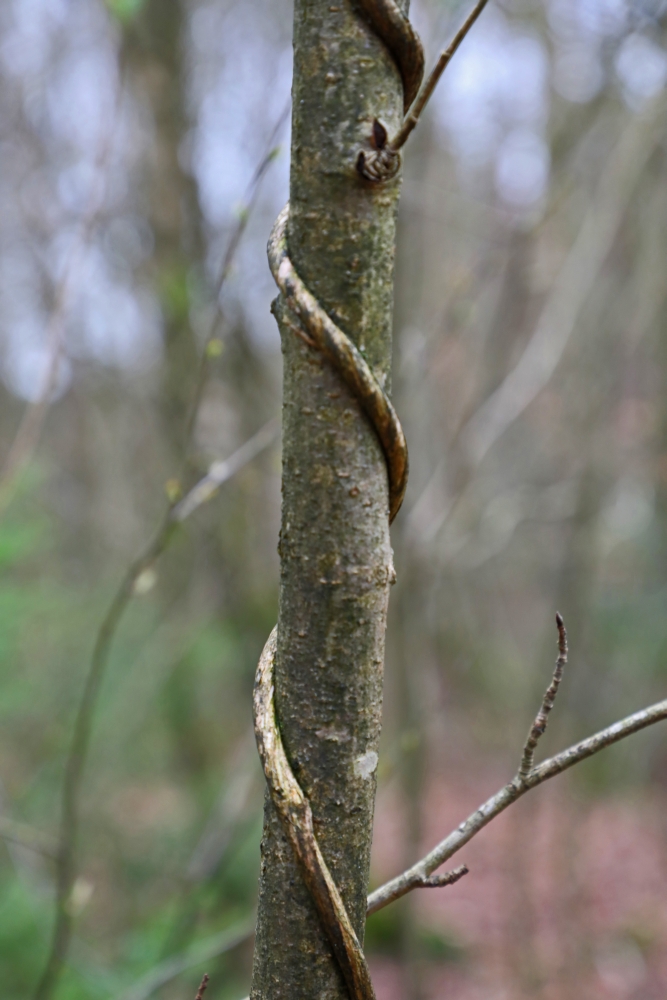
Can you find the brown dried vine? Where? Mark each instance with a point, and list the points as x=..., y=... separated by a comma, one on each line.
x=383, y=161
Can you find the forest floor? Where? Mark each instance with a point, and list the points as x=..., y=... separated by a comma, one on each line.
x=566, y=896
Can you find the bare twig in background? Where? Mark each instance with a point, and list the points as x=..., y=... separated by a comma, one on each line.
x=76, y=759
x=168, y=970
x=557, y=321
x=271, y=151
x=230, y=808
x=414, y=877
x=202, y=987
x=83, y=723
x=539, y=726
x=571, y=287
x=29, y=430
x=221, y=471
x=233, y=806
x=26, y=836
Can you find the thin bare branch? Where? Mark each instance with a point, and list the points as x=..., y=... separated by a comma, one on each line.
x=233, y=805
x=413, y=877
x=571, y=287
x=221, y=471
x=431, y=82
x=446, y=878
x=78, y=753
x=202, y=988
x=29, y=431
x=539, y=726
x=250, y=201
x=26, y=836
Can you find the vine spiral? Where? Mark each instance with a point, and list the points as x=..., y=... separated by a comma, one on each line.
x=313, y=324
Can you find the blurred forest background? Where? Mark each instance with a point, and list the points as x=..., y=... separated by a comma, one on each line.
x=530, y=372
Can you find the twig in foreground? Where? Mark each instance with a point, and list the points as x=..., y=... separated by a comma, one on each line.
x=202, y=987
x=414, y=877
x=539, y=726
x=446, y=878
x=431, y=82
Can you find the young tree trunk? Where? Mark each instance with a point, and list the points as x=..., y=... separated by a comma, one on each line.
x=336, y=560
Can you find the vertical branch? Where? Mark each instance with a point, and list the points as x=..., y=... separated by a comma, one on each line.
x=540, y=724
x=76, y=760
x=29, y=431
x=175, y=513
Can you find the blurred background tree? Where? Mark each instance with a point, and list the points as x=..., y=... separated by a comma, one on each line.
x=530, y=363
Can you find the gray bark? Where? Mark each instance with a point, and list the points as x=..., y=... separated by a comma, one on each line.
x=336, y=560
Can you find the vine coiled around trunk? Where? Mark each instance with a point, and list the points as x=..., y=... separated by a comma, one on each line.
x=305, y=316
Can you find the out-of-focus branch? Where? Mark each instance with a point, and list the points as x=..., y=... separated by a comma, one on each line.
x=29, y=431
x=557, y=320
x=74, y=767
x=221, y=471
x=414, y=877
x=76, y=759
x=168, y=970
x=26, y=836
x=571, y=287
x=271, y=151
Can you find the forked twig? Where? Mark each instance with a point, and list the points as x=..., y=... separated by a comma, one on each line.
x=446, y=878
x=414, y=877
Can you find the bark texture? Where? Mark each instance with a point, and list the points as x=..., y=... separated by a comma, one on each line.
x=336, y=560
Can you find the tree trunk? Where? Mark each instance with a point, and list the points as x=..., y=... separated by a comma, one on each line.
x=336, y=560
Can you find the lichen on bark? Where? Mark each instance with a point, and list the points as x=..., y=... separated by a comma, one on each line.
x=335, y=555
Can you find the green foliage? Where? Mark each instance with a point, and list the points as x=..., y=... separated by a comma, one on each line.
x=22, y=929
x=436, y=946
x=175, y=293
x=385, y=931
x=166, y=725
x=125, y=10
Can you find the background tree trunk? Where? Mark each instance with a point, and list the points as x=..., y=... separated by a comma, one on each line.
x=336, y=560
